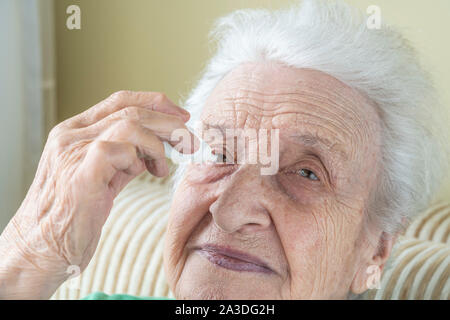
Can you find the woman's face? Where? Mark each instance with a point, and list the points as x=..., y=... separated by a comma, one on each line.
x=299, y=233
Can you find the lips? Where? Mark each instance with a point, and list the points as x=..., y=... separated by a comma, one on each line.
x=232, y=259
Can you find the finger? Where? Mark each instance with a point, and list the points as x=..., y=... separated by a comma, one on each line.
x=157, y=167
x=147, y=144
x=155, y=101
x=166, y=127
x=105, y=158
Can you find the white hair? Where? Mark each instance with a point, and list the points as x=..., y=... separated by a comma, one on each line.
x=332, y=37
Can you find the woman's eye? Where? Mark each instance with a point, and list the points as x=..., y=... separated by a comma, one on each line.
x=308, y=174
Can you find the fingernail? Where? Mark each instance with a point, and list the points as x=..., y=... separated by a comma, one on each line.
x=186, y=115
x=184, y=111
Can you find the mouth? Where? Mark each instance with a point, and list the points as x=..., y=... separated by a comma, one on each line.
x=232, y=259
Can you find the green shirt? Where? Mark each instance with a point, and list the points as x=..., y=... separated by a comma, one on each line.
x=104, y=296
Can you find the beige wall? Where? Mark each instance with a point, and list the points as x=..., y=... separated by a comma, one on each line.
x=160, y=45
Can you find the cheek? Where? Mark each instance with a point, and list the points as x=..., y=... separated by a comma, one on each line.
x=324, y=225
x=192, y=199
x=189, y=205
x=317, y=241
x=300, y=234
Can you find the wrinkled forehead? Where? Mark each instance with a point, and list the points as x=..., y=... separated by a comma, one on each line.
x=299, y=101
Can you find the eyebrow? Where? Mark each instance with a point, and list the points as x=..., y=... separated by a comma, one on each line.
x=306, y=139
x=314, y=140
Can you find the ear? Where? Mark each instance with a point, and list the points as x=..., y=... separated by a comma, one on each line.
x=368, y=274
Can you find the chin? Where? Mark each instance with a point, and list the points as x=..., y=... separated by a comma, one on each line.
x=200, y=293
x=211, y=291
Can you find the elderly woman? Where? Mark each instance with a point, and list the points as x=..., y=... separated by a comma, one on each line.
x=357, y=160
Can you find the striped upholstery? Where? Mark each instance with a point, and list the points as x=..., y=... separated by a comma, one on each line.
x=420, y=270
x=129, y=256
x=434, y=225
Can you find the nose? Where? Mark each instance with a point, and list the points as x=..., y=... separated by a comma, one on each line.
x=239, y=206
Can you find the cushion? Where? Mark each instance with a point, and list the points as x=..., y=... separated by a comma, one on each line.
x=128, y=259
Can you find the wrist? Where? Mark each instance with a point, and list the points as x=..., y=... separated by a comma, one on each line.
x=24, y=274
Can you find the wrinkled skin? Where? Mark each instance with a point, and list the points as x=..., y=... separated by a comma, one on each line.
x=86, y=161
x=313, y=234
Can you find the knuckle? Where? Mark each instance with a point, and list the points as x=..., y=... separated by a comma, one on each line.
x=121, y=95
x=103, y=149
x=160, y=97
x=54, y=132
x=130, y=113
x=59, y=140
x=100, y=150
x=131, y=150
x=100, y=146
x=126, y=125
